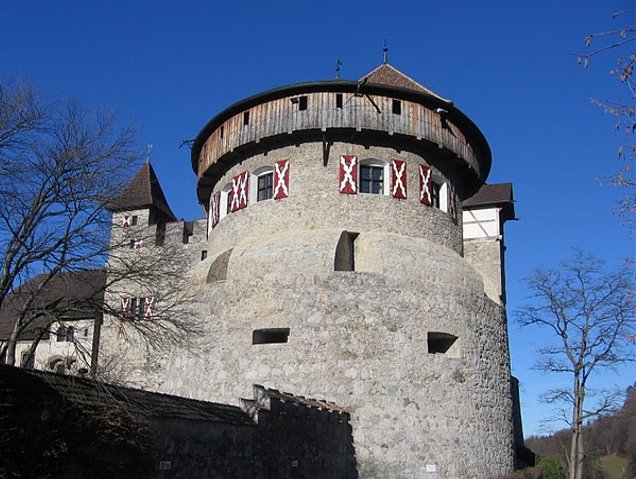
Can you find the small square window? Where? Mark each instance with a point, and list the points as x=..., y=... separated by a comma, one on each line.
x=397, y=107
x=246, y=118
x=372, y=179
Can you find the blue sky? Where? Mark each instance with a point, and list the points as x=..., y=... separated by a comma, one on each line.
x=170, y=66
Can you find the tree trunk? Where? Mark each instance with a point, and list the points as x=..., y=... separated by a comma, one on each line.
x=576, y=445
x=11, y=342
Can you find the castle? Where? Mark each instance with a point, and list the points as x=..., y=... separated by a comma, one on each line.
x=351, y=250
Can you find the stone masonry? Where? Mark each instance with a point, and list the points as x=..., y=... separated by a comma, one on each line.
x=405, y=339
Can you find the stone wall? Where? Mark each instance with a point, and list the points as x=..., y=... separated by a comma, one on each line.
x=364, y=338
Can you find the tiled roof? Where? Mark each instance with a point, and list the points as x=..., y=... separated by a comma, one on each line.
x=77, y=294
x=387, y=74
x=262, y=392
x=493, y=195
x=143, y=191
x=88, y=393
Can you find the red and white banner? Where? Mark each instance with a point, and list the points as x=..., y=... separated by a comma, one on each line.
x=149, y=308
x=425, y=185
x=125, y=304
x=281, y=179
x=398, y=179
x=238, y=195
x=349, y=174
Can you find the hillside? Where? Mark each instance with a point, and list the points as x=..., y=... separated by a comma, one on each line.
x=610, y=443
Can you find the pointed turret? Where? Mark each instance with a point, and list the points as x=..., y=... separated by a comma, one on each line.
x=143, y=191
x=387, y=74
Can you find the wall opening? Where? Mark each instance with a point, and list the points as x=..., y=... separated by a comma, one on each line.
x=270, y=335
x=204, y=254
x=345, y=257
x=338, y=100
x=160, y=234
x=440, y=343
x=397, y=107
x=218, y=269
x=302, y=103
x=246, y=118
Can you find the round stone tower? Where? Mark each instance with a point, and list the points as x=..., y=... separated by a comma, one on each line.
x=335, y=268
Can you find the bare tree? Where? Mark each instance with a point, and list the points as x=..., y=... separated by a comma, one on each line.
x=60, y=165
x=620, y=40
x=589, y=313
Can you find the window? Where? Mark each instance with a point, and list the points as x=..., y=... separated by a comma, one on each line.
x=225, y=202
x=440, y=343
x=134, y=220
x=261, y=184
x=204, y=254
x=372, y=179
x=246, y=118
x=435, y=194
x=70, y=333
x=302, y=103
x=397, y=107
x=134, y=307
x=270, y=335
x=222, y=130
x=60, y=367
x=60, y=334
x=265, y=185
x=339, y=100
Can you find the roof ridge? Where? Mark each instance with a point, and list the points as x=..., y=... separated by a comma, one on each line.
x=419, y=87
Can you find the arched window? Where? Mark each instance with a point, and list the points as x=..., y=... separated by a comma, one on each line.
x=374, y=178
x=262, y=184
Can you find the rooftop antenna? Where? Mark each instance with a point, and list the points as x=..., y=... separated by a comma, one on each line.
x=338, y=65
x=385, y=50
x=148, y=152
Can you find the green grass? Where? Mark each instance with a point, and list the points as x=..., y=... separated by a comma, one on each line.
x=613, y=466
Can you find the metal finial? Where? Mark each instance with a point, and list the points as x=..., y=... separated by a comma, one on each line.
x=148, y=152
x=338, y=65
x=386, y=52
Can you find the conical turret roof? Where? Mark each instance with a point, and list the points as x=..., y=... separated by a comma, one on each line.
x=387, y=74
x=143, y=191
